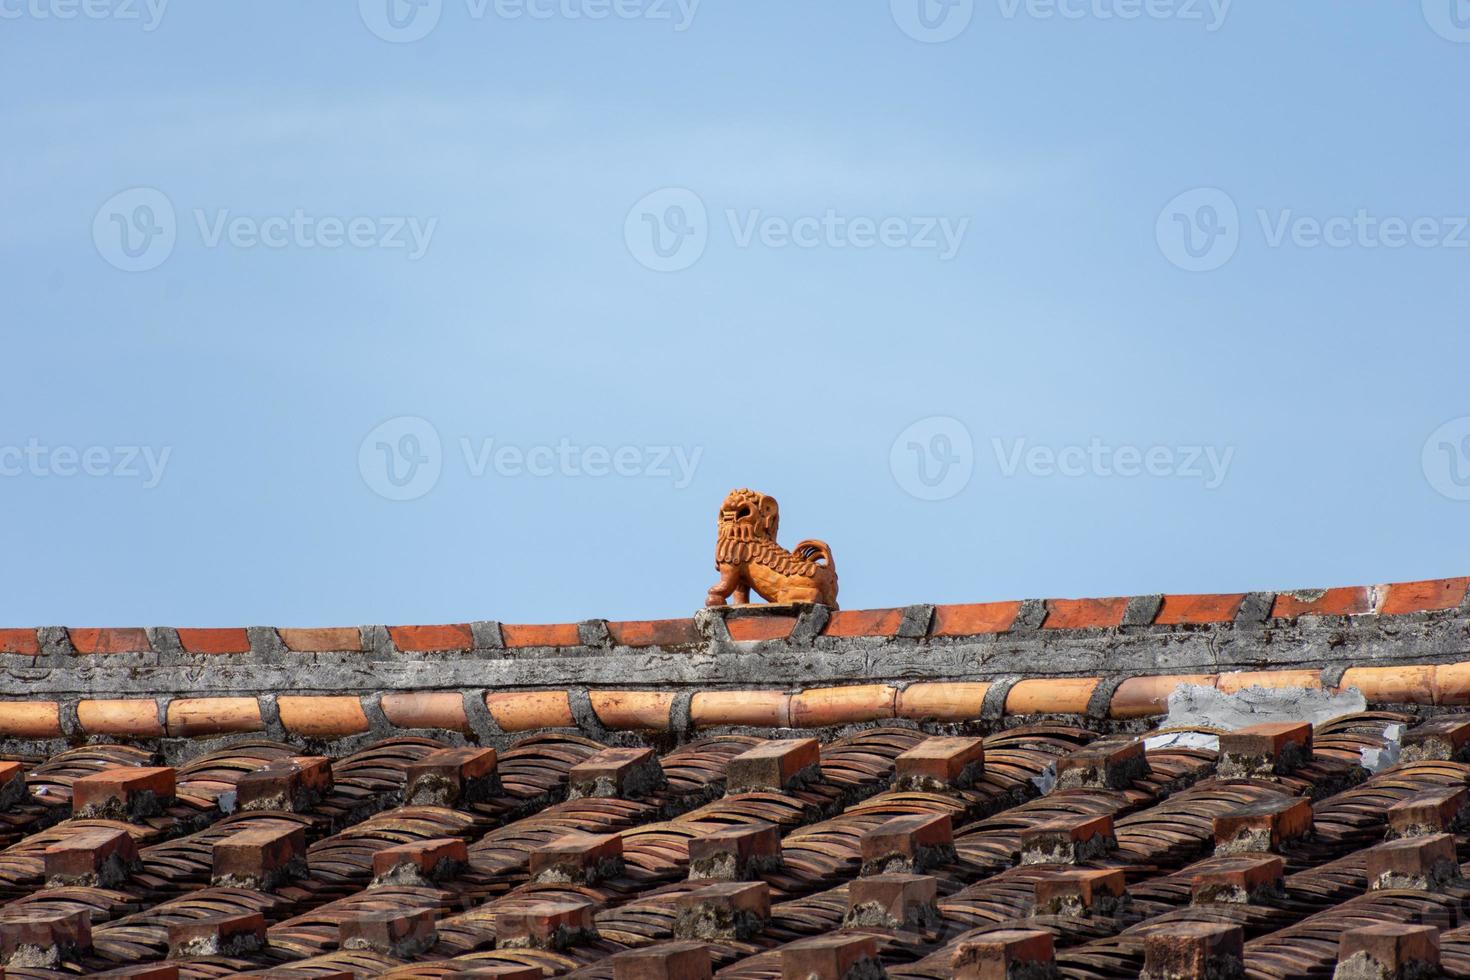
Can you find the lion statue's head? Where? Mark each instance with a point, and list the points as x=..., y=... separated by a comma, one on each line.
x=749, y=516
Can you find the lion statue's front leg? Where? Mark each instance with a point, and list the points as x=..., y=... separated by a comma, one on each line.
x=730, y=583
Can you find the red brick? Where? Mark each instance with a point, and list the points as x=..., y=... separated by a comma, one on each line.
x=545, y=925
x=1180, y=610
x=500, y=971
x=94, y=858
x=664, y=961
x=1105, y=764
x=893, y=901
x=1397, y=949
x=453, y=777
x=1264, y=826
x=908, y=845
x=1424, y=863
x=1332, y=602
x=12, y=785
x=425, y=639
x=124, y=793
x=974, y=619
x=1445, y=738
x=23, y=642
x=1079, y=892
x=1434, y=812
x=729, y=910
x=655, y=633
x=148, y=971
x=262, y=857
x=830, y=957
x=772, y=767
x=583, y=859
x=225, y=935
x=1069, y=840
x=560, y=635
x=399, y=933
x=1277, y=748
x=938, y=764
x=617, y=773
x=741, y=853
x=91, y=641
x=864, y=622
x=420, y=863
x=1076, y=614
x=44, y=939
x=293, y=785
x=1193, y=951
x=1430, y=596
x=748, y=628
x=1003, y=954
x=1244, y=880
x=328, y=640
x=214, y=641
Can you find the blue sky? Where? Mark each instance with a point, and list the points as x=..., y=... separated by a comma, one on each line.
x=1018, y=298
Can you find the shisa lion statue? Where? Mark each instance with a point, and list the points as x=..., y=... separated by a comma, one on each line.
x=748, y=557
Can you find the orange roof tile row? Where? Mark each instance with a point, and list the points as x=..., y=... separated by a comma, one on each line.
x=948, y=621
x=330, y=717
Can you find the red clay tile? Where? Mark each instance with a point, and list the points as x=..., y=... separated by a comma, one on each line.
x=453, y=777
x=974, y=619
x=900, y=901
x=1004, y=953
x=748, y=628
x=1076, y=614
x=23, y=642
x=938, y=764
x=1332, y=602
x=328, y=640
x=1193, y=951
x=663, y=961
x=661, y=632
x=617, y=773
x=1430, y=596
x=831, y=957
x=91, y=641
x=214, y=641
x=1079, y=892
x=908, y=845
x=224, y=935
x=420, y=863
x=400, y=933
x=1391, y=949
x=864, y=622
x=551, y=925
x=579, y=858
x=289, y=785
x=123, y=793
x=260, y=858
x=425, y=639
x=739, y=854
x=95, y=858
x=559, y=635
x=774, y=766
x=1180, y=610
x=726, y=910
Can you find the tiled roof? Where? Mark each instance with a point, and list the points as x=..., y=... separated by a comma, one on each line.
x=747, y=857
x=762, y=792
x=801, y=666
